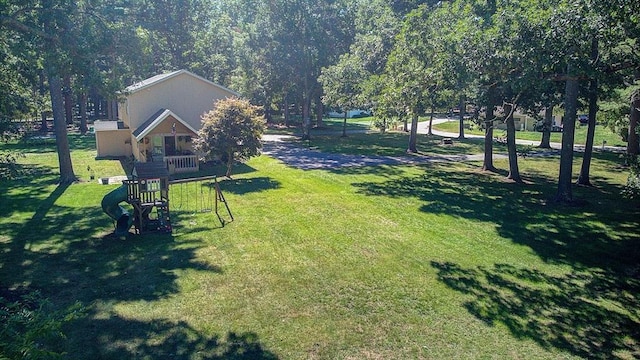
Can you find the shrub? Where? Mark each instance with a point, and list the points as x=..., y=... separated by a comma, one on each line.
x=632, y=188
x=231, y=131
x=31, y=329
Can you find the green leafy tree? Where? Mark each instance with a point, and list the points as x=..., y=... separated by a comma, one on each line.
x=413, y=69
x=231, y=132
x=296, y=39
x=172, y=28
x=341, y=84
x=64, y=36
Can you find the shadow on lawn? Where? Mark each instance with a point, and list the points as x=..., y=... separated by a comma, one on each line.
x=161, y=339
x=589, y=313
x=58, y=252
x=16, y=197
x=593, y=310
x=249, y=185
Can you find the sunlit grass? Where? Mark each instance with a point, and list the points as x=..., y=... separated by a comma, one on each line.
x=391, y=143
x=430, y=261
x=602, y=133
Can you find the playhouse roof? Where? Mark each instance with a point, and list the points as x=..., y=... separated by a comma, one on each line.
x=150, y=170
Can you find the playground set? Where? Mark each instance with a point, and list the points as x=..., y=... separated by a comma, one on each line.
x=148, y=193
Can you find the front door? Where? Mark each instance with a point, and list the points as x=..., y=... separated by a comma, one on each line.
x=169, y=146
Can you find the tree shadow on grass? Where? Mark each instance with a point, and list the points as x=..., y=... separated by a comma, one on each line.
x=69, y=255
x=121, y=338
x=592, y=310
x=588, y=313
x=248, y=185
x=388, y=171
x=25, y=193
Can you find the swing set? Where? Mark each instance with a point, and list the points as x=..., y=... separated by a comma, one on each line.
x=208, y=197
x=148, y=192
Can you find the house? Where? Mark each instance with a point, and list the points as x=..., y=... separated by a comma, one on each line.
x=525, y=122
x=158, y=119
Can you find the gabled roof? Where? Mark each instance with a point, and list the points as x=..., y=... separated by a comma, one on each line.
x=155, y=120
x=150, y=170
x=164, y=77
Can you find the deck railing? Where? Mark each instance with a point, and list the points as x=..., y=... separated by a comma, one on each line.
x=181, y=163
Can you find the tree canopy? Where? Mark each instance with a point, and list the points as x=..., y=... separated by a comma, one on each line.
x=399, y=58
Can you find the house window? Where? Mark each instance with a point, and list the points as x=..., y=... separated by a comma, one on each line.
x=157, y=148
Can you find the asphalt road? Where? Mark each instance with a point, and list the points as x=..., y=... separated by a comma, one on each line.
x=284, y=149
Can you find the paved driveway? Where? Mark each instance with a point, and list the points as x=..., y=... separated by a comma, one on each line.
x=282, y=148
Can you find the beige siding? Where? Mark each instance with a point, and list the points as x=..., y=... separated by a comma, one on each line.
x=166, y=127
x=187, y=96
x=113, y=143
x=122, y=113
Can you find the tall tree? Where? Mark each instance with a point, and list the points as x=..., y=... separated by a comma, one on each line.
x=565, y=193
x=55, y=28
x=411, y=70
x=56, y=24
x=341, y=84
x=583, y=178
x=172, y=27
x=306, y=36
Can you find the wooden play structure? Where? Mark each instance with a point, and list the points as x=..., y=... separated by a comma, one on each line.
x=148, y=192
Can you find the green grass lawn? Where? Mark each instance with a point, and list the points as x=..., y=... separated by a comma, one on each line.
x=328, y=125
x=603, y=133
x=438, y=261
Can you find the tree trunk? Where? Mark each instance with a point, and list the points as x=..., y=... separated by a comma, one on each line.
x=430, y=131
x=319, y=113
x=267, y=110
x=109, y=110
x=547, y=124
x=564, y=193
x=44, y=127
x=306, y=118
x=229, y=164
x=514, y=172
x=461, y=116
x=95, y=102
x=306, y=110
x=344, y=125
x=286, y=111
x=487, y=164
x=634, y=120
x=83, y=112
x=67, y=176
x=68, y=99
x=113, y=104
x=583, y=178
x=413, y=136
